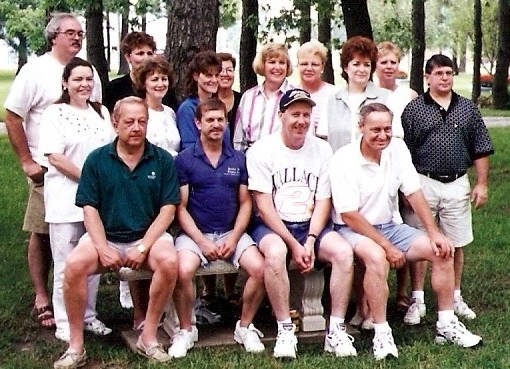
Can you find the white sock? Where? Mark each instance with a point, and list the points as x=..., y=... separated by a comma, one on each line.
x=381, y=327
x=456, y=295
x=282, y=322
x=419, y=296
x=444, y=317
x=335, y=322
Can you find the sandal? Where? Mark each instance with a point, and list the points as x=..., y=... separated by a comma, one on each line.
x=42, y=315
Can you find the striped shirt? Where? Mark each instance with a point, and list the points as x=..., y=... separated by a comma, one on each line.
x=257, y=115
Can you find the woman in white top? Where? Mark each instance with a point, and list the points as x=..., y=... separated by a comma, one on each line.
x=312, y=57
x=388, y=60
x=70, y=129
x=152, y=79
x=257, y=115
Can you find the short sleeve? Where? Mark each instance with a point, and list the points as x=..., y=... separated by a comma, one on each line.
x=51, y=136
x=259, y=172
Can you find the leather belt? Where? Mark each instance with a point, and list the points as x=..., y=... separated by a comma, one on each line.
x=444, y=178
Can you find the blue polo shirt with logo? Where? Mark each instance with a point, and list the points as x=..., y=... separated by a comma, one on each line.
x=213, y=200
x=128, y=201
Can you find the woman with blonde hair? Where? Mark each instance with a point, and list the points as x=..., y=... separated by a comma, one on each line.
x=388, y=60
x=257, y=115
x=312, y=57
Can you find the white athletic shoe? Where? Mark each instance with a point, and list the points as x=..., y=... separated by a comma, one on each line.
x=286, y=342
x=249, y=337
x=456, y=333
x=463, y=310
x=339, y=342
x=97, y=327
x=125, y=295
x=415, y=312
x=63, y=334
x=383, y=345
x=182, y=342
x=367, y=325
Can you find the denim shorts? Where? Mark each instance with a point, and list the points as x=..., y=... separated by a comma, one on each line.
x=400, y=235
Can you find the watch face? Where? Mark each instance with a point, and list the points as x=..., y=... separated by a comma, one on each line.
x=141, y=248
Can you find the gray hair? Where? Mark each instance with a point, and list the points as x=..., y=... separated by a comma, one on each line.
x=116, y=113
x=370, y=108
x=53, y=26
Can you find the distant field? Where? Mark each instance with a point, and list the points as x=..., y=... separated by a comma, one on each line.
x=6, y=77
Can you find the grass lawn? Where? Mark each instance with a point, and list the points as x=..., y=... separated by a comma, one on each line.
x=486, y=288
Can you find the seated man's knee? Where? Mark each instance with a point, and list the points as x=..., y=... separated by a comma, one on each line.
x=274, y=250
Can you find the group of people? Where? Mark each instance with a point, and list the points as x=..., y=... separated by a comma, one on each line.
x=311, y=174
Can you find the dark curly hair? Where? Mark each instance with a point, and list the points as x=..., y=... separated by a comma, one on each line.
x=358, y=46
x=202, y=62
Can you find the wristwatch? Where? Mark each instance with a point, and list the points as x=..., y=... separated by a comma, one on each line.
x=141, y=248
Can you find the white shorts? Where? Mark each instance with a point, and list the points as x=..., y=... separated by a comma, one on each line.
x=451, y=207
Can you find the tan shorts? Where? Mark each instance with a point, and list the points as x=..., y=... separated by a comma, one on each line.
x=451, y=207
x=34, y=213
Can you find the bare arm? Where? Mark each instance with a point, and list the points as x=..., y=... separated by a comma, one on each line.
x=479, y=194
x=440, y=244
x=109, y=257
x=189, y=226
x=65, y=166
x=18, y=139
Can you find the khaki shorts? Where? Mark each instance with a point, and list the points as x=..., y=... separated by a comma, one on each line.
x=34, y=213
x=451, y=207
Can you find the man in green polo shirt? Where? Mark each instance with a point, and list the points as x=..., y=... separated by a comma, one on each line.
x=129, y=191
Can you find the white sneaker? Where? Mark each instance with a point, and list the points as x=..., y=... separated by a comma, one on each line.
x=125, y=295
x=415, y=312
x=249, y=337
x=462, y=309
x=456, y=333
x=339, y=342
x=97, y=327
x=182, y=342
x=286, y=342
x=383, y=345
x=356, y=320
x=63, y=334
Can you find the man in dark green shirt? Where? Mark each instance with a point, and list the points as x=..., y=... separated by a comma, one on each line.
x=129, y=191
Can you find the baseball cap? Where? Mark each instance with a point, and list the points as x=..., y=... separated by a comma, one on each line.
x=291, y=96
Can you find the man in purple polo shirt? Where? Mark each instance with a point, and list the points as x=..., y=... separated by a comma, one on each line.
x=214, y=212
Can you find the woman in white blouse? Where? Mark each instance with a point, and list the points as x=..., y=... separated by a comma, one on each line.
x=152, y=80
x=312, y=57
x=70, y=129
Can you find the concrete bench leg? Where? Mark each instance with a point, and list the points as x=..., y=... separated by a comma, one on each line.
x=306, y=293
x=171, y=321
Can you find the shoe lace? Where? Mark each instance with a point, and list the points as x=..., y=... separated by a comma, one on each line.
x=383, y=339
x=285, y=337
x=253, y=333
x=339, y=336
x=97, y=326
x=458, y=327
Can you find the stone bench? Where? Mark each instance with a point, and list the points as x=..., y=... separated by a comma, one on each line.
x=305, y=295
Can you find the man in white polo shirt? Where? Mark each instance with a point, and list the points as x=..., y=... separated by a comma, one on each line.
x=365, y=178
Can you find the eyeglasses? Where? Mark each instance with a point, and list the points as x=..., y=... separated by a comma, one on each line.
x=71, y=33
x=228, y=70
x=306, y=65
x=440, y=73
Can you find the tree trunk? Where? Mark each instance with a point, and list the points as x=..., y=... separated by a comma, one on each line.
x=108, y=40
x=500, y=89
x=324, y=10
x=123, y=64
x=144, y=22
x=248, y=44
x=356, y=18
x=22, y=51
x=305, y=22
x=477, y=49
x=418, y=52
x=95, y=40
x=192, y=25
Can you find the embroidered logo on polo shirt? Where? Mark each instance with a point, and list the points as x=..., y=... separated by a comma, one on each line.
x=152, y=175
x=233, y=171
